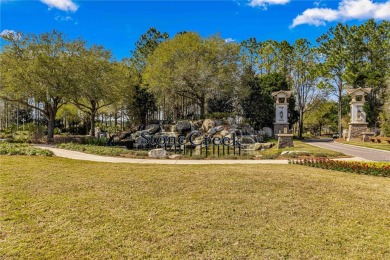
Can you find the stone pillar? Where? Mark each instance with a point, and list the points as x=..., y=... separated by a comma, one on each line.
x=285, y=140
x=281, y=125
x=358, y=123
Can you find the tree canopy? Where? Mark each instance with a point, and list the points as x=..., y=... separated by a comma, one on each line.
x=187, y=75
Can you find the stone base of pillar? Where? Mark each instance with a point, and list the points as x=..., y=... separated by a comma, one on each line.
x=280, y=129
x=356, y=130
x=285, y=140
x=367, y=136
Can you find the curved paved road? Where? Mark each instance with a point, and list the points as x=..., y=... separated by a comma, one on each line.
x=367, y=154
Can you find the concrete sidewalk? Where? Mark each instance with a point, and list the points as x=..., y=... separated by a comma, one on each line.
x=98, y=158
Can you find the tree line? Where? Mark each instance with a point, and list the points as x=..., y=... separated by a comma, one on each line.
x=190, y=76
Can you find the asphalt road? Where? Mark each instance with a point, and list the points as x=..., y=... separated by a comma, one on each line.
x=369, y=154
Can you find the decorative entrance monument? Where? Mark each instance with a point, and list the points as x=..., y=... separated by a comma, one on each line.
x=281, y=125
x=358, y=124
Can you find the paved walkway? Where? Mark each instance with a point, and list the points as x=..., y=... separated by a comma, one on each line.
x=362, y=156
x=98, y=158
x=366, y=154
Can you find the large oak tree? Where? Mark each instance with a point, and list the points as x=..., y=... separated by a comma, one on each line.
x=192, y=66
x=38, y=68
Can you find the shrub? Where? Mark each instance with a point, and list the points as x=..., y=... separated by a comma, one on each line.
x=95, y=141
x=93, y=149
x=22, y=149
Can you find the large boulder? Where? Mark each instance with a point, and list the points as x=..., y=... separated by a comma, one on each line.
x=224, y=132
x=183, y=126
x=257, y=146
x=140, y=142
x=125, y=134
x=212, y=131
x=152, y=128
x=218, y=122
x=158, y=153
x=207, y=124
x=196, y=125
x=247, y=140
x=230, y=120
x=176, y=156
x=267, y=145
x=169, y=128
x=268, y=131
x=219, y=128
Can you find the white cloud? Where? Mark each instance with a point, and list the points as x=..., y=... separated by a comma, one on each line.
x=265, y=3
x=61, y=18
x=230, y=40
x=317, y=3
x=64, y=5
x=10, y=33
x=347, y=10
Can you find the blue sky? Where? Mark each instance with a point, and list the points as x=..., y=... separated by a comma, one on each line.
x=118, y=24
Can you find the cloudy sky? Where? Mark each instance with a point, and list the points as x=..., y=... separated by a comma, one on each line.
x=118, y=24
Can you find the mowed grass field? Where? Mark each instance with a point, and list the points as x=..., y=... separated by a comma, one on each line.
x=54, y=208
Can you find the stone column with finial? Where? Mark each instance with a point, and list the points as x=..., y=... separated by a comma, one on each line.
x=358, y=124
x=281, y=125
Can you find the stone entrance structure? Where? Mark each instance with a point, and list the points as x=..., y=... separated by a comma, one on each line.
x=358, y=123
x=281, y=125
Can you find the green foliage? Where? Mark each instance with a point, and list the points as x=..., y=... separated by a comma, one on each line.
x=322, y=113
x=145, y=46
x=192, y=67
x=21, y=137
x=188, y=73
x=384, y=116
x=222, y=104
x=142, y=104
x=39, y=67
x=22, y=149
x=102, y=150
x=219, y=115
x=357, y=56
x=258, y=104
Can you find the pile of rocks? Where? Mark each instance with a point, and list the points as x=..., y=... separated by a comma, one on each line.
x=250, y=139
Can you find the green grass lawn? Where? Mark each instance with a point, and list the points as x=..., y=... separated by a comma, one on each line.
x=274, y=152
x=55, y=208
x=381, y=146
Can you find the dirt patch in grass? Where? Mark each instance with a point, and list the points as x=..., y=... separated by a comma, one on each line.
x=60, y=208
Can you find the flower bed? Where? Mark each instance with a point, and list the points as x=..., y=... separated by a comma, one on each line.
x=376, y=169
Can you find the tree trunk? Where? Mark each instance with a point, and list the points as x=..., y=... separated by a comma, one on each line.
x=92, y=130
x=116, y=117
x=93, y=117
x=51, y=118
x=339, y=110
x=300, y=124
x=202, y=102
